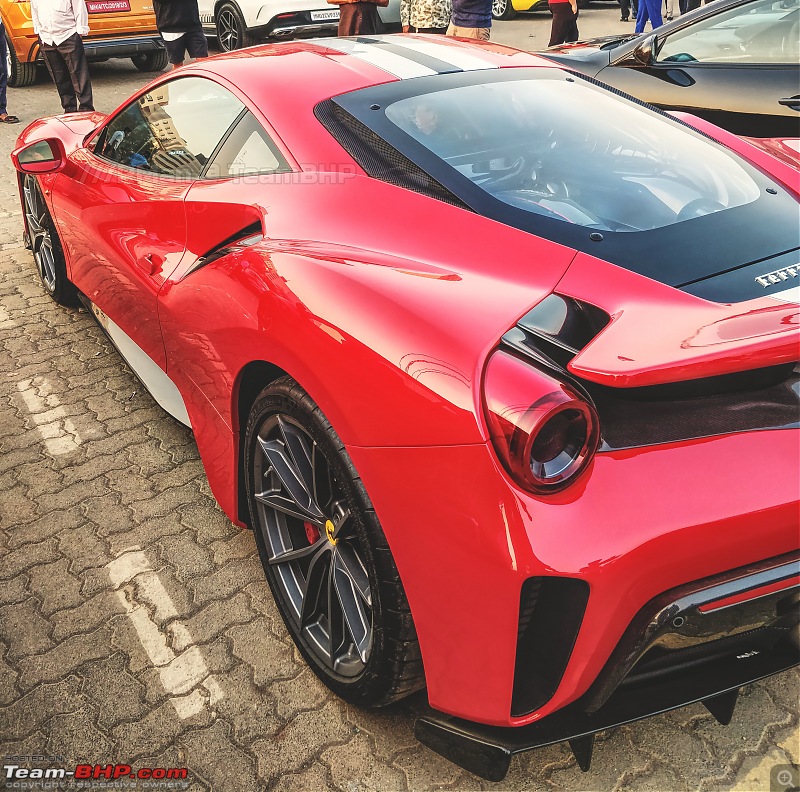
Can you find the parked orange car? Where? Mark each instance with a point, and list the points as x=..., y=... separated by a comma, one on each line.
x=117, y=29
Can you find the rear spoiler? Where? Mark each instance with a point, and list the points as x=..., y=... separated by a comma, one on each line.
x=658, y=335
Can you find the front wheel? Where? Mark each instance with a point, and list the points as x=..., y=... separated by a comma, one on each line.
x=502, y=9
x=154, y=61
x=324, y=553
x=43, y=240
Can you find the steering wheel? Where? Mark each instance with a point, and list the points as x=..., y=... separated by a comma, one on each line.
x=499, y=177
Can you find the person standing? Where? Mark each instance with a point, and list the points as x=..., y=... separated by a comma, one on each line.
x=625, y=10
x=425, y=16
x=60, y=25
x=669, y=6
x=178, y=22
x=5, y=118
x=359, y=17
x=649, y=9
x=471, y=19
x=565, y=22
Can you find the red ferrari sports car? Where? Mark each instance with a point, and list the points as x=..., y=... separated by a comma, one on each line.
x=499, y=365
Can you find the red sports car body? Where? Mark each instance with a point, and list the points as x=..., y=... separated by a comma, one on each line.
x=565, y=390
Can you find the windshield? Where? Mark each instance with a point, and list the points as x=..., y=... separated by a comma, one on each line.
x=570, y=151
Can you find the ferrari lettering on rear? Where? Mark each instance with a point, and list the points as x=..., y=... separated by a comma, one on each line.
x=778, y=276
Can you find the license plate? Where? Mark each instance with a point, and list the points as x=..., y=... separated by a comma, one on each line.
x=107, y=6
x=325, y=16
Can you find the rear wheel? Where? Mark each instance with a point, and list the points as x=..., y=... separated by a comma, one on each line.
x=232, y=31
x=502, y=9
x=324, y=552
x=45, y=244
x=20, y=74
x=154, y=61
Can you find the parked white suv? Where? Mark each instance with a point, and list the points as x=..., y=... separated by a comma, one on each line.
x=242, y=23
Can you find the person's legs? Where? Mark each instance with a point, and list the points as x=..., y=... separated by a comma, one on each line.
x=654, y=12
x=176, y=51
x=563, y=20
x=625, y=10
x=642, y=16
x=196, y=44
x=670, y=8
x=59, y=71
x=3, y=71
x=75, y=57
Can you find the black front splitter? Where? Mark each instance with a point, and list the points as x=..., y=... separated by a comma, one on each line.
x=486, y=751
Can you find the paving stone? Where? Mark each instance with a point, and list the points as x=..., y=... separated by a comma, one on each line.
x=209, y=524
x=82, y=546
x=117, y=696
x=219, y=760
x=266, y=655
x=354, y=766
x=240, y=703
x=26, y=630
x=43, y=528
x=14, y=590
x=313, y=778
x=64, y=658
x=55, y=585
x=212, y=620
x=76, y=737
x=35, y=708
x=186, y=557
x=227, y=580
x=301, y=692
x=301, y=740
x=88, y=616
x=242, y=545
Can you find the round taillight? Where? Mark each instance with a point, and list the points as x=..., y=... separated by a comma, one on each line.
x=543, y=430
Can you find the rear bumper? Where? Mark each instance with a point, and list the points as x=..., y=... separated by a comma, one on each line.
x=121, y=47
x=697, y=643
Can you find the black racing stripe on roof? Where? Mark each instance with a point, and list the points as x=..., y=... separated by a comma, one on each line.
x=428, y=61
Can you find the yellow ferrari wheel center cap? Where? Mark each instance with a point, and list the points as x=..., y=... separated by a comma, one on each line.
x=330, y=528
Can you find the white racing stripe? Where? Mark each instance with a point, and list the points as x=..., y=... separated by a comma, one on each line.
x=466, y=61
x=401, y=67
x=788, y=295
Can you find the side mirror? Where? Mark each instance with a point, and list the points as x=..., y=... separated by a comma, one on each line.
x=645, y=53
x=44, y=156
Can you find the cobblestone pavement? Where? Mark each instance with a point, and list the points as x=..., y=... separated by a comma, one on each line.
x=135, y=623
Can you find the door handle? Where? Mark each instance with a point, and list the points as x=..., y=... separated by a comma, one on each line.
x=790, y=101
x=150, y=263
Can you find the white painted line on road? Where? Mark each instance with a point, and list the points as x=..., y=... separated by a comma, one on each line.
x=180, y=673
x=57, y=430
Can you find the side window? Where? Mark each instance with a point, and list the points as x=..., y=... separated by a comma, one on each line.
x=173, y=129
x=248, y=150
x=762, y=32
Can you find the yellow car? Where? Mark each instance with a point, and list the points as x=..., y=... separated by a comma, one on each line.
x=117, y=29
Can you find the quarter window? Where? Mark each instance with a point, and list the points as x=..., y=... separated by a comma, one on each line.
x=248, y=150
x=763, y=32
x=173, y=129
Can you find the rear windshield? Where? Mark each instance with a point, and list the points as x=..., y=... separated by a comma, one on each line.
x=571, y=152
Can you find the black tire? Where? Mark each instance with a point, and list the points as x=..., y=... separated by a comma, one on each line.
x=346, y=556
x=502, y=9
x=20, y=75
x=232, y=32
x=42, y=237
x=154, y=61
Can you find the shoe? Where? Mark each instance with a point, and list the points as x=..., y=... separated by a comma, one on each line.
x=623, y=19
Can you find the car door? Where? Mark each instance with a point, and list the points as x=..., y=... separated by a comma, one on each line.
x=121, y=210
x=737, y=68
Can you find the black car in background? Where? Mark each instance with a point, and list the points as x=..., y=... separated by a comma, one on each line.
x=733, y=62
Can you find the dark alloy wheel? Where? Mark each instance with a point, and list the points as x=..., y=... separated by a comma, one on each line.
x=43, y=241
x=324, y=553
x=232, y=31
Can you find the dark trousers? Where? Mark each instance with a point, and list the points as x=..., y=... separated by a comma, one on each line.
x=565, y=24
x=625, y=10
x=3, y=69
x=69, y=69
x=359, y=19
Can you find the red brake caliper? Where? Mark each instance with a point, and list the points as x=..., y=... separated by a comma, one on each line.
x=312, y=532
